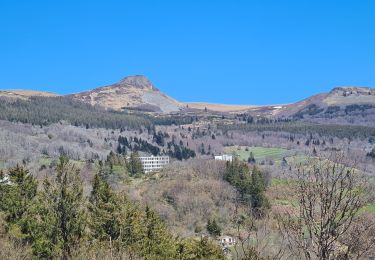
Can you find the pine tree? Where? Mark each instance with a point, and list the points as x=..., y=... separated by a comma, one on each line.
x=157, y=242
x=251, y=186
x=213, y=228
x=258, y=198
x=103, y=208
x=56, y=221
x=135, y=165
x=199, y=249
x=251, y=158
x=16, y=196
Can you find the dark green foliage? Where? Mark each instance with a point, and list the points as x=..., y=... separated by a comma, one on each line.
x=56, y=221
x=136, y=145
x=371, y=153
x=305, y=128
x=172, y=120
x=104, y=208
x=180, y=152
x=258, y=187
x=356, y=107
x=213, y=228
x=17, y=194
x=135, y=165
x=144, y=146
x=157, y=242
x=310, y=110
x=238, y=174
x=199, y=249
x=159, y=138
x=49, y=110
x=250, y=185
x=251, y=158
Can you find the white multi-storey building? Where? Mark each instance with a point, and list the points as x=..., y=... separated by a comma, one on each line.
x=153, y=163
x=224, y=157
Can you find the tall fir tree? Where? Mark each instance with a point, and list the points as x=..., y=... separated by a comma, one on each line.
x=56, y=221
x=103, y=208
x=17, y=193
x=135, y=165
x=157, y=242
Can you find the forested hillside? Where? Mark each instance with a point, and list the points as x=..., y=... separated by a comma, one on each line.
x=72, y=185
x=49, y=110
x=58, y=221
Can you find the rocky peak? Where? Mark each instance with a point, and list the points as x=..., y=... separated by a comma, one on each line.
x=348, y=91
x=138, y=81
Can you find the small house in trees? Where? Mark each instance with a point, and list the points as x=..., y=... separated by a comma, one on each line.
x=226, y=241
x=4, y=179
x=224, y=157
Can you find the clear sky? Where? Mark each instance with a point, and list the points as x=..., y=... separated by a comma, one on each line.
x=233, y=51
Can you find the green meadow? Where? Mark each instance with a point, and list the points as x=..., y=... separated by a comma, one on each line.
x=259, y=153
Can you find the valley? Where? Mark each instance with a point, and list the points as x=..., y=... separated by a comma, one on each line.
x=252, y=199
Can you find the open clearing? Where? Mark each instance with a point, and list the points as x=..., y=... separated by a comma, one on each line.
x=259, y=153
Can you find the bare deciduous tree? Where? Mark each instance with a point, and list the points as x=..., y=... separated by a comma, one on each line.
x=331, y=195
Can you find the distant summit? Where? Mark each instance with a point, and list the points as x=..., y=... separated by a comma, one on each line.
x=138, y=93
x=138, y=81
x=132, y=93
x=348, y=91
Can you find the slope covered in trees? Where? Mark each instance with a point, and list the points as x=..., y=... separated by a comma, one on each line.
x=58, y=221
x=330, y=130
x=49, y=110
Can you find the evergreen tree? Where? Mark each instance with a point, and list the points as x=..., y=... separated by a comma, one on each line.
x=213, y=228
x=251, y=158
x=250, y=185
x=135, y=165
x=371, y=153
x=157, y=242
x=199, y=249
x=56, y=221
x=17, y=194
x=103, y=208
x=258, y=187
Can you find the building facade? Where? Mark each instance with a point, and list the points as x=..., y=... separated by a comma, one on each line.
x=226, y=241
x=153, y=163
x=224, y=157
x=4, y=179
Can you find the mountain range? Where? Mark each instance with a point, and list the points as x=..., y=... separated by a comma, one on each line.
x=138, y=93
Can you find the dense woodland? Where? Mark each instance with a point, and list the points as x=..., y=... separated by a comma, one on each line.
x=48, y=110
x=57, y=220
x=77, y=190
x=305, y=128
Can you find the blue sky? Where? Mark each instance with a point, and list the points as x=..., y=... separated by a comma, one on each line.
x=234, y=51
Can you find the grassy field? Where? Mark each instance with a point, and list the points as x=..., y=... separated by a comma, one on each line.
x=260, y=153
x=370, y=208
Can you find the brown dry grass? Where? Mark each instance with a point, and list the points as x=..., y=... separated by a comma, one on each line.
x=26, y=93
x=219, y=107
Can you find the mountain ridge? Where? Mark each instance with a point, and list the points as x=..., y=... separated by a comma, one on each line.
x=137, y=92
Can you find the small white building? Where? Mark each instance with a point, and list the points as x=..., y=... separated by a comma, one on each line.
x=224, y=157
x=226, y=241
x=152, y=163
x=4, y=179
